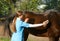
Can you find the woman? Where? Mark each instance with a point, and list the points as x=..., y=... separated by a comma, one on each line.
x=18, y=35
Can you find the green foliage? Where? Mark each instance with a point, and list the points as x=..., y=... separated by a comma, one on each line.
x=6, y=7
x=4, y=39
x=3, y=7
x=30, y=5
x=53, y=4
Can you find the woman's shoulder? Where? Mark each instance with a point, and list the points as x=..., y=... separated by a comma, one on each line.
x=19, y=20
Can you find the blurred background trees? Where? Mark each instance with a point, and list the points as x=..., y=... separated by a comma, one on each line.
x=8, y=7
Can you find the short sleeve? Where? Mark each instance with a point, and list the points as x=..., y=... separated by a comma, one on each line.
x=24, y=24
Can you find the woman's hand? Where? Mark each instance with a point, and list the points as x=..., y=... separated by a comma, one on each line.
x=26, y=20
x=45, y=23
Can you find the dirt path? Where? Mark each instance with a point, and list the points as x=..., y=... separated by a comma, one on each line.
x=35, y=38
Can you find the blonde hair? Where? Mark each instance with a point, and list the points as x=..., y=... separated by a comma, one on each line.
x=13, y=28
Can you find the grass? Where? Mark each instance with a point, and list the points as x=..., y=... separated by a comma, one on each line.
x=4, y=39
x=8, y=39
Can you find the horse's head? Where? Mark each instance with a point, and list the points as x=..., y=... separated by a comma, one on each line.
x=35, y=17
x=30, y=15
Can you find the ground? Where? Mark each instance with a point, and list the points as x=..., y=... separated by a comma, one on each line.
x=30, y=38
x=35, y=38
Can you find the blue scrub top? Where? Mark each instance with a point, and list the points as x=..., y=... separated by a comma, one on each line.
x=19, y=34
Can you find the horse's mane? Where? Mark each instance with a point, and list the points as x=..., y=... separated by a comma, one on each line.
x=31, y=12
x=53, y=16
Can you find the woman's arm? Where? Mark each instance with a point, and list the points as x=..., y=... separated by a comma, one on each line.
x=41, y=24
x=36, y=25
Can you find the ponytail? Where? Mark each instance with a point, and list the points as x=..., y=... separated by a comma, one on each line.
x=12, y=26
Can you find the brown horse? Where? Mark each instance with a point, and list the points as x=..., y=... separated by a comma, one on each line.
x=52, y=30
x=35, y=19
